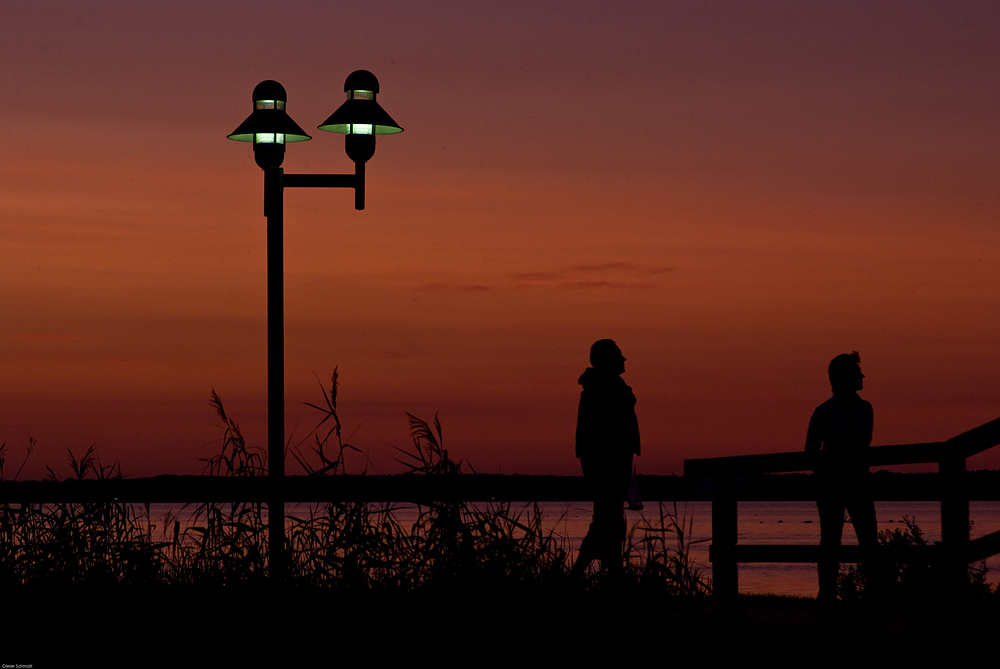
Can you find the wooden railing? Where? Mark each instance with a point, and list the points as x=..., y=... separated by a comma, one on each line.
x=954, y=552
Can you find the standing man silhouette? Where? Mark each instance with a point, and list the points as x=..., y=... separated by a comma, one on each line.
x=840, y=434
x=607, y=435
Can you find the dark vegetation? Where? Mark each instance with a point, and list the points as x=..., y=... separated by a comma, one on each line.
x=102, y=578
x=449, y=544
x=907, y=581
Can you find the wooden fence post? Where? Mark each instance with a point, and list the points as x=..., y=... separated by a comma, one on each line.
x=725, y=571
x=954, y=523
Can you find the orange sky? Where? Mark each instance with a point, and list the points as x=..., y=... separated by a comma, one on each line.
x=734, y=192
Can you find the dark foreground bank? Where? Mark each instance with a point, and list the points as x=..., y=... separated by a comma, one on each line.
x=459, y=626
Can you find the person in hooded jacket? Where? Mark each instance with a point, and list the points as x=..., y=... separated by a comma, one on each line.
x=607, y=436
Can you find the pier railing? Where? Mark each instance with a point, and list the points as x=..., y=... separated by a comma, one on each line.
x=954, y=552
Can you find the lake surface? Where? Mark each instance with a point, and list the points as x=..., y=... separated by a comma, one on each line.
x=772, y=523
x=798, y=523
x=758, y=523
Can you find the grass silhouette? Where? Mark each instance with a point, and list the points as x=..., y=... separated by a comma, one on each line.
x=346, y=545
x=94, y=542
x=911, y=581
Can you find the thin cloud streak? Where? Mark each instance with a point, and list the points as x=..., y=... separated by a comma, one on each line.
x=568, y=278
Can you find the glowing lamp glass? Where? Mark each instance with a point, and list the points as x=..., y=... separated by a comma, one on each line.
x=269, y=104
x=362, y=129
x=269, y=138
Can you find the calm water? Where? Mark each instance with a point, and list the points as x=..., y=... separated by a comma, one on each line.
x=798, y=523
x=759, y=523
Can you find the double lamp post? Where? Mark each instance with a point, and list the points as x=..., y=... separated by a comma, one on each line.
x=269, y=128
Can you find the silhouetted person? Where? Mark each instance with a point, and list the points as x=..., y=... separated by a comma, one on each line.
x=607, y=434
x=840, y=434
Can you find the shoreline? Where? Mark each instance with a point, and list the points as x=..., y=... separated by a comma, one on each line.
x=978, y=485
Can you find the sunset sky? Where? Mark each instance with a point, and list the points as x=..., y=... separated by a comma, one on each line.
x=735, y=192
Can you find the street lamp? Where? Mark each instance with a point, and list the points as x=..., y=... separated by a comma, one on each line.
x=360, y=118
x=270, y=128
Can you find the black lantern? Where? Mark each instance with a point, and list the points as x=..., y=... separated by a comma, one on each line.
x=269, y=127
x=361, y=117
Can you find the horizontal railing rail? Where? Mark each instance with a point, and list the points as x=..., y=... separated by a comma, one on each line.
x=955, y=551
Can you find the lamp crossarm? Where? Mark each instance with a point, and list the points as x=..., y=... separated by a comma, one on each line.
x=355, y=181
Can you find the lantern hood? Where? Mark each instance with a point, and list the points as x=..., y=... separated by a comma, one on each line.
x=361, y=114
x=269, y=117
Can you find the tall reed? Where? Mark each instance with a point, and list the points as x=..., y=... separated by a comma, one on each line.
x=91, y=542
x=225, y=543
x=661, y=548
x=346, y=544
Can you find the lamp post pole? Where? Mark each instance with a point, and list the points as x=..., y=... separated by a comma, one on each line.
x=269, y=127
x=274, y=195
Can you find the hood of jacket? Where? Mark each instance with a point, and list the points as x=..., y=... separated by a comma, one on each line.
x=592, y=379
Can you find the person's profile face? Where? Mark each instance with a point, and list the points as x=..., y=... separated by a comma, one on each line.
x=857, y=378
x=847, y=378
